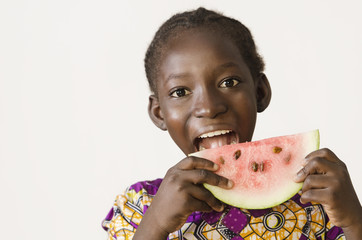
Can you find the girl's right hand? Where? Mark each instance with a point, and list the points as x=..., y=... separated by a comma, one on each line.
x=180, y=194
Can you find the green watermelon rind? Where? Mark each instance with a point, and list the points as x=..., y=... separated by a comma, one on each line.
x=228, y=196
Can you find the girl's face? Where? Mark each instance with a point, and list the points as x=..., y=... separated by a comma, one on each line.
x=206, y=94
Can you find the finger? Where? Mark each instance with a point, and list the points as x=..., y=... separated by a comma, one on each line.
x=315, y=195
x=197, y=163
x=323, y=153
x=202, y=206
x=206, y=196
x=316, y=182
x=314, y=166
x=200, y=176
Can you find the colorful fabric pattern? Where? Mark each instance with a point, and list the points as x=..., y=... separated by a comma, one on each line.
x=291, y=220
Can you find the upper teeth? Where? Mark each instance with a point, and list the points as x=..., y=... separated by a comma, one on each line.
x=216, y=133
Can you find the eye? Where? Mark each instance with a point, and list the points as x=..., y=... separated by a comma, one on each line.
x=180, y=92
x=229, y=82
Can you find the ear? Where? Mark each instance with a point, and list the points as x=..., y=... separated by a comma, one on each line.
x=155, y=113
x=263, y=92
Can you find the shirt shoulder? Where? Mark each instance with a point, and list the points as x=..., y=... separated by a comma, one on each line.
x=128, y=209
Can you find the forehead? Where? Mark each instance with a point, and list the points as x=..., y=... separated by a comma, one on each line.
x=199, y=50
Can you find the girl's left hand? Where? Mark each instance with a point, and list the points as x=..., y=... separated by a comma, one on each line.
x=326, y=181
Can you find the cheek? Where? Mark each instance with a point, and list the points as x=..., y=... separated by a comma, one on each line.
x=177, y=121
x=245, y=102
x=175, y=112
x=176, y=117
x=245, y=108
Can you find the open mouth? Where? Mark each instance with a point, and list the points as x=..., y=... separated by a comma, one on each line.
x=215, y=139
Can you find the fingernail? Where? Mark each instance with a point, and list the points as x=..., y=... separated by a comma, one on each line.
x=298, y=175
x=308, y=155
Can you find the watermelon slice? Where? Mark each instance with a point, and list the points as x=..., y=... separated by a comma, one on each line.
x=262, y=171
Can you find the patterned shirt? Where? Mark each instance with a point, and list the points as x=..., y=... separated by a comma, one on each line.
x=290, y=220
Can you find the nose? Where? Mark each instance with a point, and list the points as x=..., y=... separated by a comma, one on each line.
x=209, y=105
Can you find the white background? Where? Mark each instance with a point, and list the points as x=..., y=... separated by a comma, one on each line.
x=74, y=129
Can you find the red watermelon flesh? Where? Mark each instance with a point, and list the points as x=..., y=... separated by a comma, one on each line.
x=262, y=171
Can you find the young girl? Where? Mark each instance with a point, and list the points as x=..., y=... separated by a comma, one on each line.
x=207, y=85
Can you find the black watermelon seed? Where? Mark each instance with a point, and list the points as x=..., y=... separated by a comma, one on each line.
x=277, y=149
x=262, y=166
x=254, y=166
x=222, y=161
x=237, y=154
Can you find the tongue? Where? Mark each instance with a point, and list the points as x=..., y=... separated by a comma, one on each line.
x=216, y=141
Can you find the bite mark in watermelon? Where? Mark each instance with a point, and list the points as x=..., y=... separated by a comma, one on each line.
x=262, y=171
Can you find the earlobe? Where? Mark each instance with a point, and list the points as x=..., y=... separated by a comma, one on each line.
x=155, y=113
x=263, y=92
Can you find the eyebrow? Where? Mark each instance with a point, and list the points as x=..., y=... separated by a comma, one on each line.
x=218, y=69
x=176, y=76
x=224, y=66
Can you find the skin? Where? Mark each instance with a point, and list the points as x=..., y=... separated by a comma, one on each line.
x=326, y=181
x=205, y=85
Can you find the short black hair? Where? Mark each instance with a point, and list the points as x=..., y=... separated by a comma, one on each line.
x=201, y=17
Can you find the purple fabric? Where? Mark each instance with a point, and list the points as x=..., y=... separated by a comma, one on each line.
x=259, y=212
x=211, y=217
x=296, y=198
x=133, y=224
x=235, y=220
x=108, y=218
x=145, y=207
x=325, y=215
x=237, y=238
x=303, y=237
x=333, y=232
x=109, y=215
x=194, y=217
x=150, y=186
